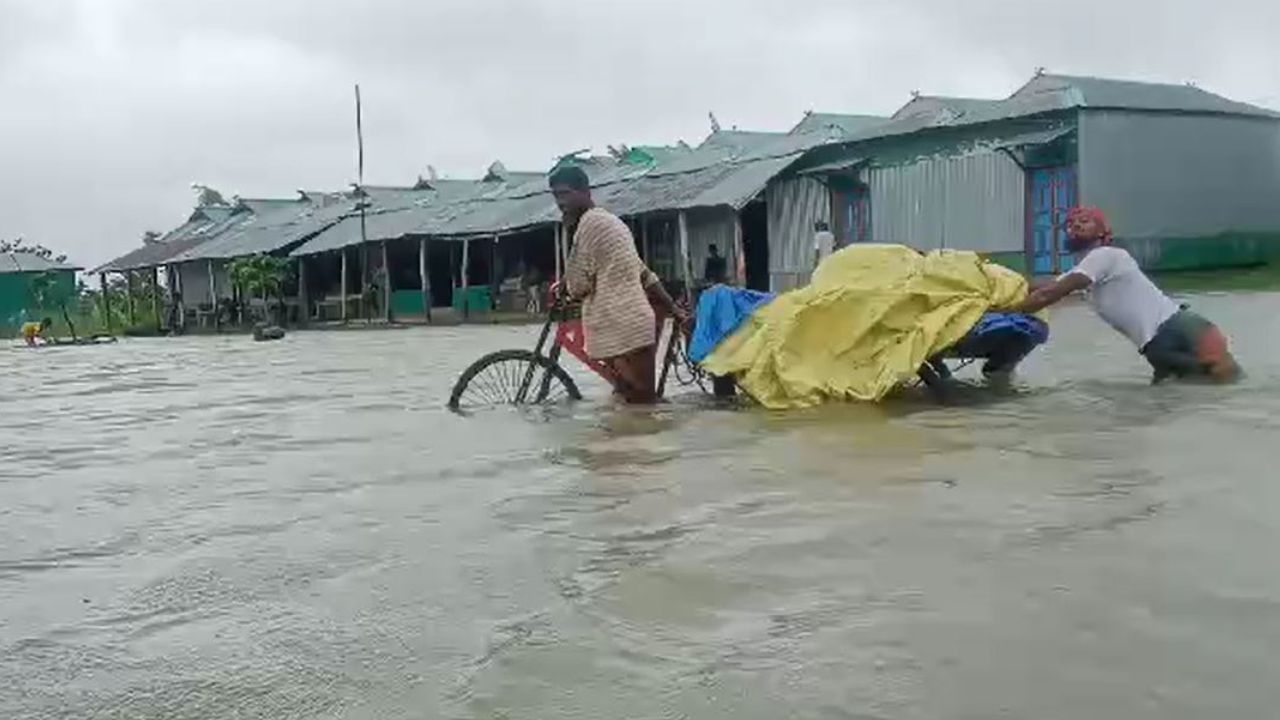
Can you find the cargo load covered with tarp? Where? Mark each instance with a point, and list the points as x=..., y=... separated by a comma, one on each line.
x=868, y=320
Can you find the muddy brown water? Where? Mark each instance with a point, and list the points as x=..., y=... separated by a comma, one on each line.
x=213, y=528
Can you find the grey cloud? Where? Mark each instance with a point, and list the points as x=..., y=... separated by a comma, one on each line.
x=111, y=109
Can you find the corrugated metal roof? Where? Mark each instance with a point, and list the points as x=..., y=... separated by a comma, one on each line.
x=835, y=124
x=743, y=183
x=275, y=224
x=1031, y=139
x=927, y=105
x=1051, y=93
x=204, y=224
x=728, y=169
x=1066, y=91
x=20, y=262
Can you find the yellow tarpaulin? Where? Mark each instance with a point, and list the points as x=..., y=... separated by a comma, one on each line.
x=865, y=323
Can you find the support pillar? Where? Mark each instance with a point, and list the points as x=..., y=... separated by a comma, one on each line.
x=424, y=278
x=559, y=243
x=343, y=283
x=106, y=301
x=213, y=296
x=128, y=282
x=466, y=257
x=304, y=299
x=739, y=254
x=686, y=267
x=386, y=281
x=155, y=297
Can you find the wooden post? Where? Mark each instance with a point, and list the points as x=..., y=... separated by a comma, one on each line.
x=739, y=254
x=644, y=241
x=343, y=281
x=213, y=294
x=424, y=278
x=179, y=302
x=495, y=280
x=304, y=301
x=386, y=281
x=155, y=297
x=365, y=311
x=466, y=256
x=106, y=301
x=686, y=268
x=559, y=243
x=128, y=282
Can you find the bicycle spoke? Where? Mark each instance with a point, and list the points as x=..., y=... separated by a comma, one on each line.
x=502, y=382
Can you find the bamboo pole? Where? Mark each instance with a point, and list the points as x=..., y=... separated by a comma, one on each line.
x=424, y=278
x=362, y=200
x=343, y=282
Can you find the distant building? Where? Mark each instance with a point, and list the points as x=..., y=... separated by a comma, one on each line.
x=17, y=271
x=1189, y=179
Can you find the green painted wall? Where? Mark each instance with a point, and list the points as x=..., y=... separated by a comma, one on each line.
x=1225, y=250
x=1214, y=252
x=406, y=302
x=16, y=305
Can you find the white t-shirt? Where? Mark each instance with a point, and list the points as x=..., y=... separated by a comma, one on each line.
x=823, y=244
x=1123, y=295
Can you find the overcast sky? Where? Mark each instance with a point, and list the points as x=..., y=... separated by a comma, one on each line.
x=110, y=109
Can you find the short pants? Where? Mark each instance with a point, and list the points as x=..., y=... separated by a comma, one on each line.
x=1187, y=345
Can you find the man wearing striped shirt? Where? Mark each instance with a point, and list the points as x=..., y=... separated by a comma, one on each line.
x=618, y=291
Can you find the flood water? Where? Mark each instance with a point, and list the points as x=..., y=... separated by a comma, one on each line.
x=213, y=528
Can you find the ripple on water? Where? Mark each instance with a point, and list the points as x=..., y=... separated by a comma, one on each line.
x=206, y=527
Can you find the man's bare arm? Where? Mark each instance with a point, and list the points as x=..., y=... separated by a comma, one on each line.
x=1047, y=295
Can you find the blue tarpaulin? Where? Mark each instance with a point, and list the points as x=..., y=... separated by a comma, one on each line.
x=1035, y=329
x=721, y=309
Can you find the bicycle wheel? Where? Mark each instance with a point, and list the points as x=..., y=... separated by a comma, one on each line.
x=498, y=379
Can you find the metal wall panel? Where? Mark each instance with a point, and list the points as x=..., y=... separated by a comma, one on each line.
x=971, y=202
x=794, y=205
x=195, y=282
x=1160, y=175
x=709, y=227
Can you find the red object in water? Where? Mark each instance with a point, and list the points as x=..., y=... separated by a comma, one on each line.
x=571, y=336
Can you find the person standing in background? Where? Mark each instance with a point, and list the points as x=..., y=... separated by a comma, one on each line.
x=824, y=242
x=716, y=268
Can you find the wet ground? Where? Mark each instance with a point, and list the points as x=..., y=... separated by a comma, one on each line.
x=213, y=528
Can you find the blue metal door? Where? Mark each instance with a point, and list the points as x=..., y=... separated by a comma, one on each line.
x=854, y=225
x=1051, y=193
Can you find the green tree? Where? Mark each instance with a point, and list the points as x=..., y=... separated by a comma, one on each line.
x=260, y=276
